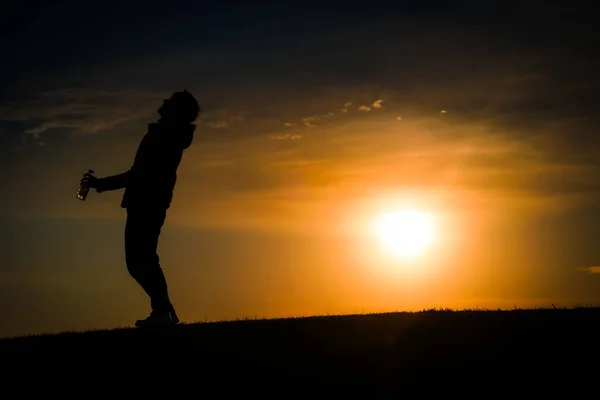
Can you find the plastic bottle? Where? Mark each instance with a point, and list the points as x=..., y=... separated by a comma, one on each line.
x=83, y=188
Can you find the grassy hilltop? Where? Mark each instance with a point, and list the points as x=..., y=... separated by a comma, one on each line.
x=382, y=351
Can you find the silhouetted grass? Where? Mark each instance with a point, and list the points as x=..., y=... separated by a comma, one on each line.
x=379, y=351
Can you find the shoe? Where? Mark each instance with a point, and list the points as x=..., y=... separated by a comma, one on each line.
x=174, y=317
x=158, y=319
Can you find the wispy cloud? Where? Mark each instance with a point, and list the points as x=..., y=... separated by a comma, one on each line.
x=313, y=120
x=286, y=136
x=591, y=270
x=219, y=124
x=88, y=110
x=364, y=108
x=223, y=118
x=346, y=105
x=309, y=121
x=82, y=111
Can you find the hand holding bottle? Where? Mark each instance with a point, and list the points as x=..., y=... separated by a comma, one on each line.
x=88, y=181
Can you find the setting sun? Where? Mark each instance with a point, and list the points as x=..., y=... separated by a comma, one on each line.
x=405, y=233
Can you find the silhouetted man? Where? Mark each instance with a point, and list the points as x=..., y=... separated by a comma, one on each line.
x=149, y=185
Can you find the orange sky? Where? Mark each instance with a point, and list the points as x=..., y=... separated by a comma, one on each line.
x=274, y=197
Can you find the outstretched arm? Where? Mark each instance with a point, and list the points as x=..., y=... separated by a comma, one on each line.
x=113, y=182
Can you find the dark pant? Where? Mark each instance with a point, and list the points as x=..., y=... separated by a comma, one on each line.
x=142, y=229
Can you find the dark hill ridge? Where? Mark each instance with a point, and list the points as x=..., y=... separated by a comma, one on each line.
x=378, y=350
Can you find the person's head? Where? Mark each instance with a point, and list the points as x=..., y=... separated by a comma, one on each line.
x=181, y=107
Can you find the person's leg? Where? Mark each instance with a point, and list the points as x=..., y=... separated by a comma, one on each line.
x=142, y=230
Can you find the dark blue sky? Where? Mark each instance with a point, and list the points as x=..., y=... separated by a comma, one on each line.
x=49, y=37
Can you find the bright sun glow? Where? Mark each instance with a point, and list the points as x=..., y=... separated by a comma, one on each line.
x=405, y=233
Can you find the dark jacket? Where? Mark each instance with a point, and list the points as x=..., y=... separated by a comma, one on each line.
x=150, y=181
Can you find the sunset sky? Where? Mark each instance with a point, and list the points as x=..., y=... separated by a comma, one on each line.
x=315, y=121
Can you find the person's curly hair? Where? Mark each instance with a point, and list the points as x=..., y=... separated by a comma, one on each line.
x=185, y=106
